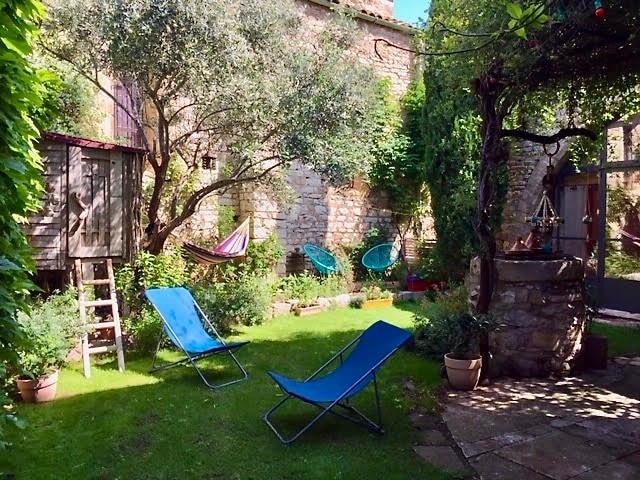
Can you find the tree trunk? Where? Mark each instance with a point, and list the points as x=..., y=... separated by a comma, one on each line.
x=489, y=163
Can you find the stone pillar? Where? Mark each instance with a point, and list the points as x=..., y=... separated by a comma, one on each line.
x=541, y=310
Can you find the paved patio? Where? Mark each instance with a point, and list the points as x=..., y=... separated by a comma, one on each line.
x=581, y=428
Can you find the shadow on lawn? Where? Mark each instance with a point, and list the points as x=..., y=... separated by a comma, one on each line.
x=169, y=425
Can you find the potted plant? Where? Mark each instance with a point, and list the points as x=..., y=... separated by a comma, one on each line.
x=374, y=296
x=303, y=291
x=51, y=330
x=464, y=362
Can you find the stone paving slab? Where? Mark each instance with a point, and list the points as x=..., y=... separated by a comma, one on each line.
x=616, y=470
x=583, y=428
x=493, y=467
x=558, y=455
x=444, y=458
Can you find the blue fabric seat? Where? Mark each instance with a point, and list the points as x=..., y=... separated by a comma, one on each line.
x=357, y=369
x=190, y=330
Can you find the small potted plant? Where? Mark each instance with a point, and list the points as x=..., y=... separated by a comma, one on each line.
x=463, y=362
x=51, y=330
x=374, y=296
x=303, y=291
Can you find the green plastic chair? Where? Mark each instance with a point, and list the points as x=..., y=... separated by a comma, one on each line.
x=381, y=257
x=323, y=260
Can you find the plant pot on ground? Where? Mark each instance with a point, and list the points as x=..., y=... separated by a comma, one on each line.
x=464, y=362
x=50, y=330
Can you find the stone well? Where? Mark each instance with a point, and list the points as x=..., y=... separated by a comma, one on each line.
x=540, y=305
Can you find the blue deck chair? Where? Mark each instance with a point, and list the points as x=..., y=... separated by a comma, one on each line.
x=381, y=257
x=189, y=329
x=324, y=261
x=370, y=350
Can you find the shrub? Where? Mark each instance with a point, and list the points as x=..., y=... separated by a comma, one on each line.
x=432, y=329
x=260, y=260
x=245, y=302
x=374, y=291
x=52, y=328
x=148, y=271
x=304, y=288
x=333, y=285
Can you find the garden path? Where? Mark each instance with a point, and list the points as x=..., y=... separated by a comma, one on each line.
x=581, y=428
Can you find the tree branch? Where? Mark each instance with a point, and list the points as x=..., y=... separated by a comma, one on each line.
x=547, y=139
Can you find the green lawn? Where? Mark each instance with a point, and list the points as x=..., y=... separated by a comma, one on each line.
x=621, y=340
x=168, y=426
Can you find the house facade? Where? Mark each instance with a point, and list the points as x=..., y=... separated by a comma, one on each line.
x=322, y=214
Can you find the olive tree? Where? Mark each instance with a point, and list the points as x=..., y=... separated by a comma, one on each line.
x=246, y=78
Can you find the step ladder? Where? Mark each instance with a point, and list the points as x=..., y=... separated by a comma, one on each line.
x=88, y=317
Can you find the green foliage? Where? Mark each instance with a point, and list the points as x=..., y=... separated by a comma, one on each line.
x=68, y=104
x=226, y=221
x=433, y=331
x=252, y=86
x=244, y=301
x=305, y=288
x=398, y=149
x=52, y=328
x=148, y=271
x=20, y=182
x=619, y=264
x=260, y=260
x=333, y=285
x=375, y=291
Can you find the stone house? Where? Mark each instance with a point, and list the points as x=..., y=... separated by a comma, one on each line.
x=322, y=214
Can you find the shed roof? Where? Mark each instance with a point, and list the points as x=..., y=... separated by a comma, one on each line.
x=85, y=142
x=371, y=16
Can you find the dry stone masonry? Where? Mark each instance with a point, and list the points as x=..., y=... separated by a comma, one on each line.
x=541, y=309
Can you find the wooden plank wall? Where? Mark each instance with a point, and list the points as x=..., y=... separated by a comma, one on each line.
x=46, y=230
x=132, y=167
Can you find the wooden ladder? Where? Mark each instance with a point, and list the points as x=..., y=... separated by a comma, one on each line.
x=89, y=320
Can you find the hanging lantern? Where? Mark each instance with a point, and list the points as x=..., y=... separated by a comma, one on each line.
x=600, y=10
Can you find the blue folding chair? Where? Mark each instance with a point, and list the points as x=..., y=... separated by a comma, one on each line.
x=189, y=329
x=370, y=350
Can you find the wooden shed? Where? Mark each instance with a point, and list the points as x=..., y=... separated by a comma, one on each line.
x=91, y=207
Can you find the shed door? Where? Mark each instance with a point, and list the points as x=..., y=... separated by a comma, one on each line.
x=94, y=226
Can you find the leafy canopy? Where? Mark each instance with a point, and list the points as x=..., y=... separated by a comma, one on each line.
x=245, y=80
x=20, y=183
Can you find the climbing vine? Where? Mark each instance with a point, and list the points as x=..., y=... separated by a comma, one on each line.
x=20, y=183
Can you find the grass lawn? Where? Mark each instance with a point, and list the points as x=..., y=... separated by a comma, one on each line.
x=621, y=340
x=169, y=426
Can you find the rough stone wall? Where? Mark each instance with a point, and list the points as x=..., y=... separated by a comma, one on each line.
x=527, y=165
x=397, y=65
x=321, y=214
x=541, y=311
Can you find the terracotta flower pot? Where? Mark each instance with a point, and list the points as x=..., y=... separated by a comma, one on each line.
x=463, y=374
x=42, y=389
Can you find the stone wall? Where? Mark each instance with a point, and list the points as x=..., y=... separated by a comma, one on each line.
x=322, y=214
x=397, y=65
x=527, y=165
x=541, y=310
